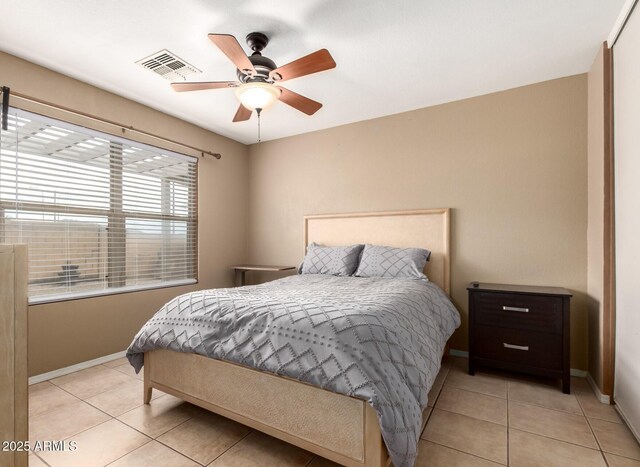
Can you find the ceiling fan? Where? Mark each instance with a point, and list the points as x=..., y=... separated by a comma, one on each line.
x=259, y=78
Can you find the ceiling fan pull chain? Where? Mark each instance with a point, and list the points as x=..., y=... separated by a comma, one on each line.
x=258, y=111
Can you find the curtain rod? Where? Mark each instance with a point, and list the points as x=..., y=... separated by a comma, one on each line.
x=111, y=122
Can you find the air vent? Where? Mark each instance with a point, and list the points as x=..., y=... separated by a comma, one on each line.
x=168, y=65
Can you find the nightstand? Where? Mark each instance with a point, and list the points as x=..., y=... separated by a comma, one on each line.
x=520, y=328
x=242, y=269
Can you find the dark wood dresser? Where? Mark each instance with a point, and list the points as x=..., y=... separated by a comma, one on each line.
x=520, y=328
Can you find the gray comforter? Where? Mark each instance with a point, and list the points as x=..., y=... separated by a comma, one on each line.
x=376, y=339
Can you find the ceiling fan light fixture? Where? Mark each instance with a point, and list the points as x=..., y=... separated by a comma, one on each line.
x=257, y=95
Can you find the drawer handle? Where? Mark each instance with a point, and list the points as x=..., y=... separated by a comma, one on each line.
x=516, y=347
x=515, y=308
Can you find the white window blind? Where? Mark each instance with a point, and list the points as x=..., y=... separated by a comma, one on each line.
x=100, y=214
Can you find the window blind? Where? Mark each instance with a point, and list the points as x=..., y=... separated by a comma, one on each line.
x=100, y=214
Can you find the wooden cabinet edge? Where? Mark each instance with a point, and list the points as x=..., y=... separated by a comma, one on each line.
x=13, y=281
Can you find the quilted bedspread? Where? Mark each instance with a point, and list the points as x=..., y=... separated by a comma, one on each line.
x=377, y=339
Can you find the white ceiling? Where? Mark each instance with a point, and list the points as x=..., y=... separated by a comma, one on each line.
x=392, y=56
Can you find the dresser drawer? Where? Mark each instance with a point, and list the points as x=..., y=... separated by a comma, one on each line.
x=528, y=312
x=534, y=349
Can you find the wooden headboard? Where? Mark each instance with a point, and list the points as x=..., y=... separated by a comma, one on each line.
x=425, y=228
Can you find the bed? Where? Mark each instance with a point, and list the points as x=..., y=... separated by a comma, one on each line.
x=344, y=428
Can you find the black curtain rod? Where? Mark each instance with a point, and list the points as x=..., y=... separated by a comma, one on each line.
x=5, y=102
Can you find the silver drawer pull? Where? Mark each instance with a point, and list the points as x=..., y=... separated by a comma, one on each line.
x=515, y=308
x=516, y=347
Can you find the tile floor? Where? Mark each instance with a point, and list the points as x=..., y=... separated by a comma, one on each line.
x=486, y=420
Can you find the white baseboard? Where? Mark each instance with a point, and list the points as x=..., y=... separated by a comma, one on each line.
x=632, y=428
x=458, y=353
x=73, y=368
x=596, y=390
x=578, y=373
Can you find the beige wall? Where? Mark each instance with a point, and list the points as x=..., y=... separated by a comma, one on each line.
x=512, y=165
x=65, y=333
x=595, y=227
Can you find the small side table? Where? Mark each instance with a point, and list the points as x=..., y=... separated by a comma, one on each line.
x=520, y=328
x=242, y=269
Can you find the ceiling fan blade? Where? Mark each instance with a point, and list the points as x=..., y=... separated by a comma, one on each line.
x=242, y=114
x=232, y=49
x=298, y=102
x=312, y=63
x=199, y=86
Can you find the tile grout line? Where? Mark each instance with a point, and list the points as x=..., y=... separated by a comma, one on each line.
x=621, y=422
x=620, y=455
x=474, y=418
x=151, y=438
x=127, y=374
x=559, y=440
x=80, y=432
x=589, y=419
x=119, y=415
x=126, y=454
x=464, y=452
x=137, y=407
x=151, y=441
x=174, y=449
x=548, y=408
x=41, y=459
x=55, y=408
x=556, y=439
x=101, y=392
x=449, y=447
x=87, y=429
x=162, y=434
x=581, y=408
x=120, y=421
x=434, y=402
x=475, y=392
x=428, y=418
x=583, y=413
x=251, y=431
x=593, y=432
x=82, y=400
x=111, y=417
x=313, y=457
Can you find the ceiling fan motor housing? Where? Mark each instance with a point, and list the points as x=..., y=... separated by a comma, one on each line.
x=263, y=65
x=257, y=41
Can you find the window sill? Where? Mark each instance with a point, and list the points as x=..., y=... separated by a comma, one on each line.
x=106, y=292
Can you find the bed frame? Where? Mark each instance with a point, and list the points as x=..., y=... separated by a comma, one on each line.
x=338, y=427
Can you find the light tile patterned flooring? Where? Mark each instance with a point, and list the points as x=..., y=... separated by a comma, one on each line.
x=485, y=420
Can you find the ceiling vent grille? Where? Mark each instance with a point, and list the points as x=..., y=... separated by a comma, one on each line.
x=168, y=65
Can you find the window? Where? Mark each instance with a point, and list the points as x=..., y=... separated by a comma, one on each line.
x=100, y=214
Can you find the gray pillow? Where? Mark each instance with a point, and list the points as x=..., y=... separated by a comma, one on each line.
x=334, y=260
x=385, y=261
